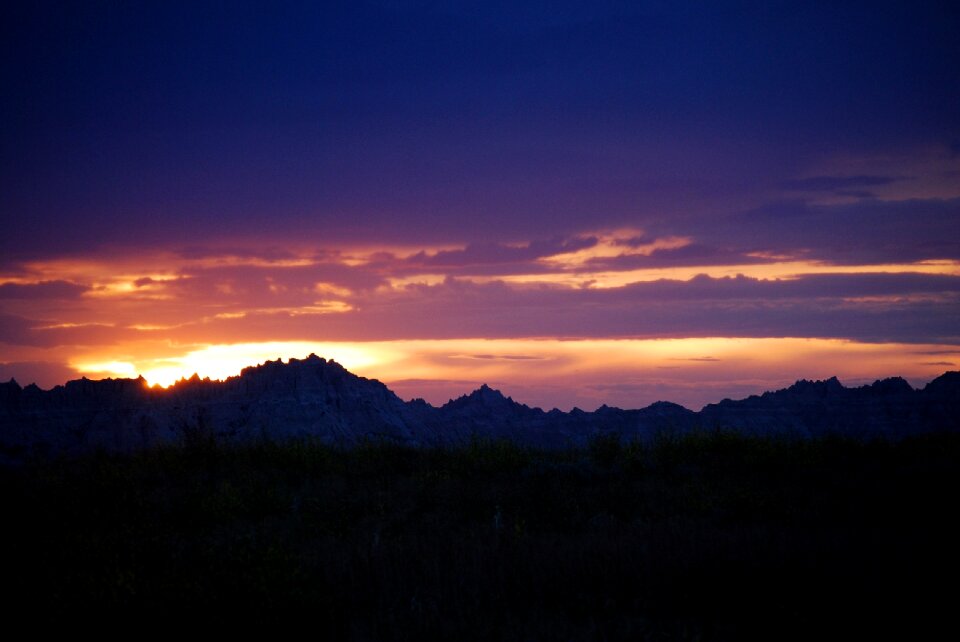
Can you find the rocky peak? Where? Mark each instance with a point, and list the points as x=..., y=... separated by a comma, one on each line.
x=890, y=386
x=9, y=391
x=807, y=387
x=484, y=396
x=667, y=408
x=946, y=384
x=488, y=395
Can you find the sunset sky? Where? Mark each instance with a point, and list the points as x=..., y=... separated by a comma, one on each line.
x=576, y=202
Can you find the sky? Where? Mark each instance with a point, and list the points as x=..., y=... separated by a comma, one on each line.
x=578, y=203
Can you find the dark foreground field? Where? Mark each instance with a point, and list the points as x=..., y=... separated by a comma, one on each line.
x=706, y=538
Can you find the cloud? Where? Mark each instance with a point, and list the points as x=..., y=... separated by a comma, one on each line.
x=887, y=307
x=196, y=252
x=833, y=183
x=14, y=329
x=480, y=259
x=694, y=254
x=486, y=253
x=635, y=241
x=254, y=278
x=201, y=291
x=42, y=290
x=810, y=287
x=201, y=303
x=855, y=193
x=864, y=232
x=938, y=352
x=87, y=334
x=22, y=331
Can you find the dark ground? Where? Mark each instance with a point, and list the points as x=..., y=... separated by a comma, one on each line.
x=707, y=538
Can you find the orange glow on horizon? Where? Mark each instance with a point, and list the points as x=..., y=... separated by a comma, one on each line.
x=588, y=368
x=223, y=361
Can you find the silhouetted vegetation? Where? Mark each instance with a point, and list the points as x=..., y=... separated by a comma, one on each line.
x=707, y=537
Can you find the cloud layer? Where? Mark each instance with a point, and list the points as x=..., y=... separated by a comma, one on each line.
x=121, y=315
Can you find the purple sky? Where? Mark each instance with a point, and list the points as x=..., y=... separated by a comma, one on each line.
x=175, y=176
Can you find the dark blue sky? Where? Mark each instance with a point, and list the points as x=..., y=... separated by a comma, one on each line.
x=126, y=123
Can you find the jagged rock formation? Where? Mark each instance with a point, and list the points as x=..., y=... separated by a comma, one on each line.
x=888, y=408
x=487, y=412
x=311, y=398
x=318, y=399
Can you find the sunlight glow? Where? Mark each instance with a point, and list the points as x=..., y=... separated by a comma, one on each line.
x=223, y=361
x=121, y=369
x=548, y=372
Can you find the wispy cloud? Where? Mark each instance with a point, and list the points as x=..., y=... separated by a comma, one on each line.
x=42, y=290
x=834, y=183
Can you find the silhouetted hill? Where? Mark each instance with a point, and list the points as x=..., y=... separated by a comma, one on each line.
x=318, y=399
x=888, y=408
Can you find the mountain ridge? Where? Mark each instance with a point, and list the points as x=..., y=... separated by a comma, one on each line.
x=315, y=398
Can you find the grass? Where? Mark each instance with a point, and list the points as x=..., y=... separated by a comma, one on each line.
x=711, y=537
